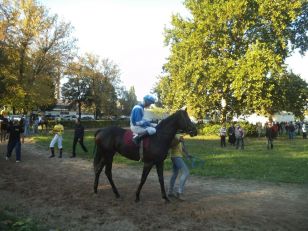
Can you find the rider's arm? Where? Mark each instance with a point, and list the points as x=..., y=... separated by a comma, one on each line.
x=137, y=117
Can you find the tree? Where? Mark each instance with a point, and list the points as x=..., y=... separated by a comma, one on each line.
x=233, y=51
x=127, y=101
x=92, y=82
x=104, y=75
x=77, y=90
x=37, y=47
x=294, y=92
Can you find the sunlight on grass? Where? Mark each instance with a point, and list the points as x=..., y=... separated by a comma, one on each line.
x=287, y=162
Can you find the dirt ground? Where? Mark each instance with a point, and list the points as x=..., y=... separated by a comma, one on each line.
x=59, y=193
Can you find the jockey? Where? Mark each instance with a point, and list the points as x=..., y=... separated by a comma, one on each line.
x=57, y=130
x=138, y=124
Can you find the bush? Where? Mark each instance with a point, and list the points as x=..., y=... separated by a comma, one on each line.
x=93, y=123
x=213, y=129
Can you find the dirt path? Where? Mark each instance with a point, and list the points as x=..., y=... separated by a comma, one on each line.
x=58, y=192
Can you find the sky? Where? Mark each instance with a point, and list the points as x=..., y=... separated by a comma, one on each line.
x=130, y=34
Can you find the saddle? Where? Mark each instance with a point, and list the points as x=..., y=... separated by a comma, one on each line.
x=128, y=140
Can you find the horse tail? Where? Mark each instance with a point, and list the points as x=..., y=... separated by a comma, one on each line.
x=97, y=132
x=97, y=153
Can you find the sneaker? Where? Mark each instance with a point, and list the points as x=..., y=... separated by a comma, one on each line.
x=51, y=156
x=17, y=161
x=6, y=158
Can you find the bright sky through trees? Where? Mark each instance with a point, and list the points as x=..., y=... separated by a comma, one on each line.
x=130, y=33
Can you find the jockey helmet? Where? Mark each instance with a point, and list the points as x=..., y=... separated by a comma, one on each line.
x=149, y=99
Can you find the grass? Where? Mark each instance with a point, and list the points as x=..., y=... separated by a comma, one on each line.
x=287, y=162
x=11, y=222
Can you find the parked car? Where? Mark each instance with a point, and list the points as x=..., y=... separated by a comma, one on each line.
x=123, y=117
x=15, y=117
x=87, y=118
x=52, y=117
x=69, y=117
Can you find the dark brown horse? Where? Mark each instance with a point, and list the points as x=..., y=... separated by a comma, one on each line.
x=112, y=140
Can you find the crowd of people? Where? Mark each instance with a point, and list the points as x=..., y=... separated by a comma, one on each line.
x=235, y=136
x=270, y=130
x=14, y=131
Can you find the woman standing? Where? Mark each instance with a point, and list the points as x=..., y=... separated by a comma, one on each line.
x=178, y=151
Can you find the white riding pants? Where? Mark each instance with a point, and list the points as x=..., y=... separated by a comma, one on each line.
x=56, y=138
x=141, y=130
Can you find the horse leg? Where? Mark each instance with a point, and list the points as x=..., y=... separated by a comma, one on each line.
x=160, y=173
x=146, y=170
x=97, y=174
x=108, y=173
x=98, y=164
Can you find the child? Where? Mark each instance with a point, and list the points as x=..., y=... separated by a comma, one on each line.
x=178, y=150
x=58, y=130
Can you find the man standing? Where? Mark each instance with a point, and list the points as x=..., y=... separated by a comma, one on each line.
x=138, y=124
x=270, y=135
x=239, y=136
x=57, y=130
x=222, y=133
x=304, y=130
x=78, y=137
x=14, y=130
x=231, y=134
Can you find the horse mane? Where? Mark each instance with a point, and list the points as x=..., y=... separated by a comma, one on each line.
x=165, y=121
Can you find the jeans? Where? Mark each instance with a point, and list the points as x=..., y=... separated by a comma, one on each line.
x=270, y=144
x=223, y=141
x=291, y=135
x=14, y=144
x=177, y=165
x=239, y=142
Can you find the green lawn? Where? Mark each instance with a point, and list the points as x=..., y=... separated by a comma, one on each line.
x=287, y=162
x=9, y=221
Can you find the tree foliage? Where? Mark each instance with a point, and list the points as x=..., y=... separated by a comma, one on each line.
x=92, y=82
x=233, y=50
x=127, y=101
x=36, y=47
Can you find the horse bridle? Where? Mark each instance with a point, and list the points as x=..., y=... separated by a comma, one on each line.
x=188, y=127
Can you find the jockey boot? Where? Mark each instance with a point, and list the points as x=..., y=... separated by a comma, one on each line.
x=137, y=139
x=60, y=153
x=52, y=152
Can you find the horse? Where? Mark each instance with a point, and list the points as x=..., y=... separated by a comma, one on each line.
x=112, y=140
x=4, y=123
x=43, y=123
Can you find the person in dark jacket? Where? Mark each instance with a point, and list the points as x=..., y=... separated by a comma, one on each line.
x=231, y=134
x=78, y=137
x=14, y=130
x=270, y=135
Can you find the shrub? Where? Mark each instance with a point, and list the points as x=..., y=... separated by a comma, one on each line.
x=93, y=123
x=213, y=129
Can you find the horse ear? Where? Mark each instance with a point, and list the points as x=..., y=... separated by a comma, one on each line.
x=184, y=108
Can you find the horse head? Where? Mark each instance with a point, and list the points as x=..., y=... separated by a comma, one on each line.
x=185, y=124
